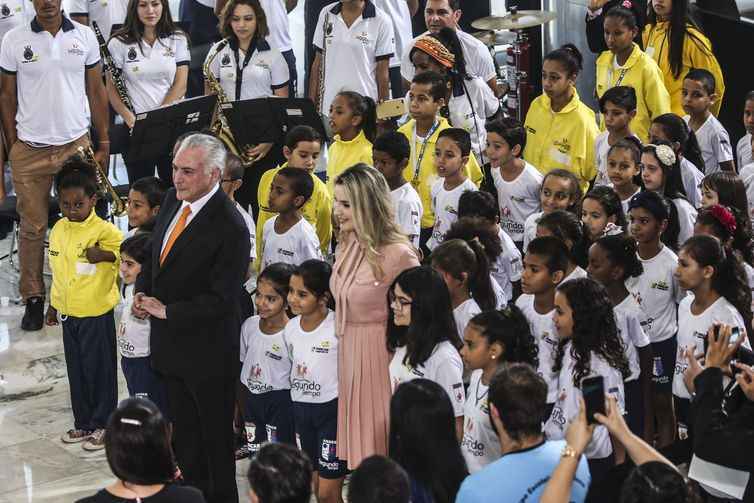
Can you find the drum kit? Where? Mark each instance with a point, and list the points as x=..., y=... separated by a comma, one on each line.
x=506, y=34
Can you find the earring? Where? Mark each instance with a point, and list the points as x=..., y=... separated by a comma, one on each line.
x=493, y=357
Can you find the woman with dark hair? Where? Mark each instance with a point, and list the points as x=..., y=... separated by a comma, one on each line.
x=152, y=55
x=677, y=44
x=421, y=334
x=595, y=18
x=471, y=101
x=246, y=67
x=423, y=441
x=137, y=444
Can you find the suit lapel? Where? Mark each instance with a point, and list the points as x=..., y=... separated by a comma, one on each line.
x=194, y=228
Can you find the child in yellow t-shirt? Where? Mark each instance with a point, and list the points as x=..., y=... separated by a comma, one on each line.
x=301, y=150
x=427, y=95
x=353, y=120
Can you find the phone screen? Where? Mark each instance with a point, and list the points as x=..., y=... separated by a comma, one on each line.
x=593, y=389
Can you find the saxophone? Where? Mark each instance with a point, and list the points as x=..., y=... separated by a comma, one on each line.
x=219, y=125
x=105, y=188
x=116, y=74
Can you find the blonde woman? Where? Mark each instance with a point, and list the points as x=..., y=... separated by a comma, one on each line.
x=372, y=251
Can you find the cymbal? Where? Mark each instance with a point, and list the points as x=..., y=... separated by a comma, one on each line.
x=518, y=21
x=493, y=38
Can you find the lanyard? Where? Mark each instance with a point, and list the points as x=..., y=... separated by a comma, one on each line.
x=476, y=392
x=621, y=76
x=240, y=69
x=418, y=162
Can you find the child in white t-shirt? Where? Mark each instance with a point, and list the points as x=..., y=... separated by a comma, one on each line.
x=266, y=364
x=743, y=147
x=478, y=219
x=313, y=349
x=600, y=208
x=391, y=152
x=545, y=264
x=657, y=293
x=422, y=335
x=618, y=108
x=568, y=228
x=451, y=154
x=589, y=345
x=623, y=169
x=464, y=267
x=660, y=172
x=560, y=191
x=491, y=339
x=698, y=97
x=288, y=237
x=517, y=182
x=232, y=180
x=613, y=259
x=133, y=333
x=721, y=295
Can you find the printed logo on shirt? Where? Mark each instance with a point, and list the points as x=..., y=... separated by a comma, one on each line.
x=29, y=56
x=125, y=346
x=458, y=392
x=168, y=53
x=75, y=49
x=547, y=337
x=323, y=348
x=450, y=209
x=255, y=383
x=132, y=54
x=263, y=64
x=637, y=297
x=270, y=354
x=557, y=416
x=562, y=145
x=303, y=384
x=226, y=60
x=5, y=11
x=287, y=253
x=472, y=445
x=363, y=38
x=328, y=30
x=647, y=324
x=660, y=285
x=328, y=458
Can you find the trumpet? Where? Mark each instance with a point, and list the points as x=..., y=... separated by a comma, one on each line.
x=220, y=127
x=105, y=188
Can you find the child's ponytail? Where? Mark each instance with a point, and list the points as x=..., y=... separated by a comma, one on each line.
x=509, y=328
x=458, y=257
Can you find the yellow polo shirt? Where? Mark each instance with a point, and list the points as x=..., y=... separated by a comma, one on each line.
x=562, y=139
x=426, y=174
x=642, y=73
x=697, y=53
x=343, y=154
x=79, y=288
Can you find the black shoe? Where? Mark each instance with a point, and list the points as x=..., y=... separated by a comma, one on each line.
x=34, y=315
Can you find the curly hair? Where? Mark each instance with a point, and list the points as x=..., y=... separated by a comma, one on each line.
x=509, y=328
x=594, y=329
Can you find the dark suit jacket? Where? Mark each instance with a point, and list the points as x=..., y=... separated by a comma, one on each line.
x=199, y=283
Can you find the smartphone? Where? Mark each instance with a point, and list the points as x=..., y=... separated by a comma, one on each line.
x=593, y=390
x=735, y=333
x=391, y=108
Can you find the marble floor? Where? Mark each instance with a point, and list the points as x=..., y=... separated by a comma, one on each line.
x=35, y=466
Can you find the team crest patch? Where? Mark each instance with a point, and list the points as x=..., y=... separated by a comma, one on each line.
x=131, y=54
x=226, y=60
x=4, y=10
x=29, y=54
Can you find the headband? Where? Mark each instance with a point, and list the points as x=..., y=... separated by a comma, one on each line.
x=664, y=153
x=612, y=229
x=435, y=50
x=724, y=217
x=651, y=203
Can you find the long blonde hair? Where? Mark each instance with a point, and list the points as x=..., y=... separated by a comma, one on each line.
x=373, y=213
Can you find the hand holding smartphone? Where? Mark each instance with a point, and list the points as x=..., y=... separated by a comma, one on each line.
x=593, y=390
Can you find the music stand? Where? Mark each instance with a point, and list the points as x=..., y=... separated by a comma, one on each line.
x=156, y=131
x=253, y=121
x=294, y=112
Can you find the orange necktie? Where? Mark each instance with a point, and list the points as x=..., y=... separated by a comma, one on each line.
x=179, y=226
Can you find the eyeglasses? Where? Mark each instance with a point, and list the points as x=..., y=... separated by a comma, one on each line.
x=398, y=302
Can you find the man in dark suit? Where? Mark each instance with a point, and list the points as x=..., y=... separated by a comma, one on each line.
x=190, y=290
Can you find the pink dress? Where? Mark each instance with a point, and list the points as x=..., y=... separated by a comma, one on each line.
x=363, y=359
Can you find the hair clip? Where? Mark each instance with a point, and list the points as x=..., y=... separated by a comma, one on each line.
x=725, y=217
x=612, y=229
x=134, y=422
x=664, y=153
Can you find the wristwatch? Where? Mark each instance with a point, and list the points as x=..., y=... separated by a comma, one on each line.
x=568, y=452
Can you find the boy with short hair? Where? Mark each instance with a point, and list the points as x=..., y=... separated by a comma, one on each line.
x=301, y=151
x=144, y=200
x=451, y=155
x=545, y=265
x=427, y=95
x=391, y=152
x=516, y=181
x=288, y=237
x=618, y=109
x=698, y=99
x=743, y=147
x=84, y=260
x=280, y=472
x=231, y=181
